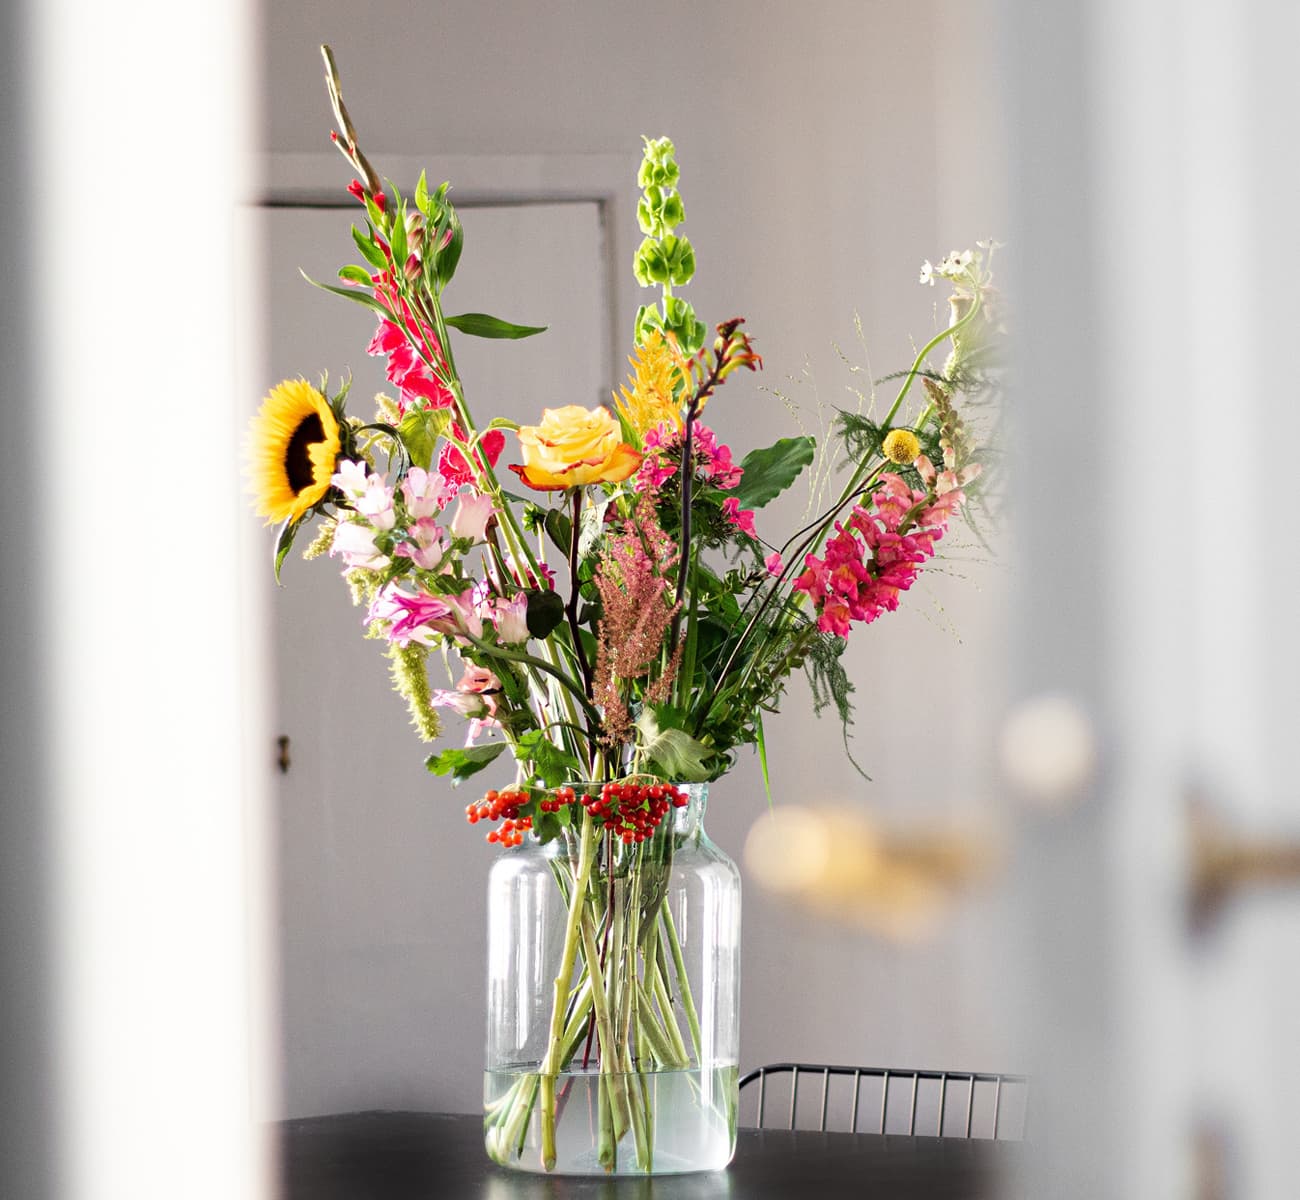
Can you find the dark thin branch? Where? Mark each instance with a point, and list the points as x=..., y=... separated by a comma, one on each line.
x=571, y=609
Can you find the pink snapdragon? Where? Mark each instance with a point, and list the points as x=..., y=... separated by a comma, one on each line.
x=376, y=503
x=877, y=557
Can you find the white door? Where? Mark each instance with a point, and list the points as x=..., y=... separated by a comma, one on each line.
x=380, y=879
x=1158, y=196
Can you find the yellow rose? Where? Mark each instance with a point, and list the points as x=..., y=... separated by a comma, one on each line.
x=574, y=446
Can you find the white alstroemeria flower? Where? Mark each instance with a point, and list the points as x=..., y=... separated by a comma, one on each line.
x=355, y=543
x=376, y=504
x=426, y=493
x=350, y=479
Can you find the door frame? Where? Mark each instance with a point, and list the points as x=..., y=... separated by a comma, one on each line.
x=317, y=180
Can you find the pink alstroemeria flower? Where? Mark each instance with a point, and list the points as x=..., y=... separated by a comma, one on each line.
x=427, y=545
x=472, y=516
x=511, y=619
x=411, y=616
x=426, y=493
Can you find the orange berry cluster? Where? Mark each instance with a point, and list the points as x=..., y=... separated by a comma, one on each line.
x=498, y=805
x=630, y=811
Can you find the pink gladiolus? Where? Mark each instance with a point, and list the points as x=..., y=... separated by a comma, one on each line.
x=451, y=462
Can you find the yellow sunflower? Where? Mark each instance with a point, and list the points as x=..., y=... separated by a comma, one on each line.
x=658, y=374
x=293, y=445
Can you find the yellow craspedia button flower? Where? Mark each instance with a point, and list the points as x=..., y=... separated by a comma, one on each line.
x=901, y=446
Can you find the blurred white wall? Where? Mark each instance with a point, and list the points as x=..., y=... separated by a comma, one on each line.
x=826, y=149
x=131, y=999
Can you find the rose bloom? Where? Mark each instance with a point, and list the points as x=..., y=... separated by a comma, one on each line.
x=574, y=446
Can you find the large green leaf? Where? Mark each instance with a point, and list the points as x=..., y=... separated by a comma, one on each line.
x=461, y=764
x=678, y=755
x=769, y=471
x=484, y=326
x=545, y=611
x=420, y=429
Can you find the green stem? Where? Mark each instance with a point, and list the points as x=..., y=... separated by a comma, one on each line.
x=609, y=1057
x=683, y=983
x=568, y=957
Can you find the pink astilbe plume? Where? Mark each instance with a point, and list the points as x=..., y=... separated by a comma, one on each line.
x=638, y=612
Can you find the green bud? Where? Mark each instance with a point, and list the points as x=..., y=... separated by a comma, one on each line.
x=647, y=321
x=651, y=265
x=672, y=213
x=680, y=257
x=658, y=167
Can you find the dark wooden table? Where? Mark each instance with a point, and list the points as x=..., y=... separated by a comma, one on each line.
x=428, y=1156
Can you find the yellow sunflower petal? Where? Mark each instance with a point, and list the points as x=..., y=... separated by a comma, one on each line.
x=293, y=447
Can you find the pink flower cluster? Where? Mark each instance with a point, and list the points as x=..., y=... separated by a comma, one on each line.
x=710, y=458
x=412, y=526
x=878, y=556
x=415, y=381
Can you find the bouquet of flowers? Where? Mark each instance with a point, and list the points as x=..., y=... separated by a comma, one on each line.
x=622, y=621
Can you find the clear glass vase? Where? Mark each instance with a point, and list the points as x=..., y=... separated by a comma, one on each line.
x=613, y=1000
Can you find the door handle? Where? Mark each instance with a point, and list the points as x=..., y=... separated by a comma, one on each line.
x=1223, y=864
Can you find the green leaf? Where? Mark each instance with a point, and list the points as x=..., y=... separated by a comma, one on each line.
x=449, y=255
x=422, y=193
x=461, y=764
x=551, y=764
x=420, y=430
x=369, y=251
x=678, y=755
x=559, y=527
x=545, y=612
x=283, y=542
x=769, y=471
x=349, y=294
x=484, y=326
x=355, y=275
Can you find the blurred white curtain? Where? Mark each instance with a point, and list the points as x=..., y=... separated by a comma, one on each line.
x=1155, y=189
x=124, y=798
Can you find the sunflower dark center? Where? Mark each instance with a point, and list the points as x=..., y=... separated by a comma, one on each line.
x=297, y=457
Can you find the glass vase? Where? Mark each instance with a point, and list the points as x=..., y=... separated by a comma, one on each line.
x=613, y=1000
